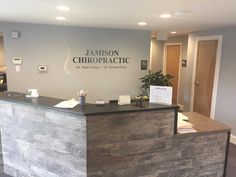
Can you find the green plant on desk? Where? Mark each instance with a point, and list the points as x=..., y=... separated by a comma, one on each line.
x=155, y=78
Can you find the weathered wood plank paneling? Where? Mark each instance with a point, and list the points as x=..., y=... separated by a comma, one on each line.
x=39, y=142
x=144, y=145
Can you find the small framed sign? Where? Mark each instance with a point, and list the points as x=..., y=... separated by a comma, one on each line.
x=161, y=95
x=144, y=64
x=184, y=63
x=124, y=100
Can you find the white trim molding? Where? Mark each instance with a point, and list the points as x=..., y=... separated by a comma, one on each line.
x=151, y=56
x=217, y=71
x=233, y=139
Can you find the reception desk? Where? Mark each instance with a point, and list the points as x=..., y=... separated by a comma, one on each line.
x=39, y=140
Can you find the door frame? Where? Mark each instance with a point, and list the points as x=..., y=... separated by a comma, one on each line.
x=216, y=75
x=180, y=61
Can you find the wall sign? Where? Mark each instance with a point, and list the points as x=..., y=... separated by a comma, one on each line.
x=184, y=63
x=101, y=59
x=144, y=64
x=160, y=95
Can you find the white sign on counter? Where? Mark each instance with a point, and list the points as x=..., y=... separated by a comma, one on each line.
x=124, y=100
x=160, y=95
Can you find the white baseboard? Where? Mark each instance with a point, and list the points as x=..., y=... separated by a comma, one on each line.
x=233, y=139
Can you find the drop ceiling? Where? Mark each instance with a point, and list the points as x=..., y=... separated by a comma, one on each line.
x=125, y=14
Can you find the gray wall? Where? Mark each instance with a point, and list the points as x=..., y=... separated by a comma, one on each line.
x=183, y=97
x=156, y=56
x=2, y=61
x=226, y=95
x=44, y=45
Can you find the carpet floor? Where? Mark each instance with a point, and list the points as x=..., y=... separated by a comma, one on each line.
x=231, y=168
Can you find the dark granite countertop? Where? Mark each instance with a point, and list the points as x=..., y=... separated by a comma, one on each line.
x=88, y=109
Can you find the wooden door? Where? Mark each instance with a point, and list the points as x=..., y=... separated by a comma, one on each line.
x=204, y=80
x=172, y=67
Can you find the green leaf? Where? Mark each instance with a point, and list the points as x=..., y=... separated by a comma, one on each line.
x=155, y=78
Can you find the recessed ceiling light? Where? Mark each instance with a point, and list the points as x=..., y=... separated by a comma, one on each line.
x=142, y=23
x=61, y=18
x=181, y=12
x=165, y=15
x=173, y=32
x=63, y=8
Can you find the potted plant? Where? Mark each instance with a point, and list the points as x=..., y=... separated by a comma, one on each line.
x=152, y=78
x=155, y=78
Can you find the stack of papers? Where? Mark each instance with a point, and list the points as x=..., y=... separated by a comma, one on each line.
x=182, y=117
x=183, y=125
x=67, y=104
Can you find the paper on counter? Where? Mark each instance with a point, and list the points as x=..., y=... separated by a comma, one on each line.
x=67, y=104
x=183, y=126
x=182, y=131
x=182, y=116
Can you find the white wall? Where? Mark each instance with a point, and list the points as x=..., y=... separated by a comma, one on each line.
x=156, y=55
x=226, y=95
x=44, y=45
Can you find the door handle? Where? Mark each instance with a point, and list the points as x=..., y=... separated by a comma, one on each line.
x=197, y=83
